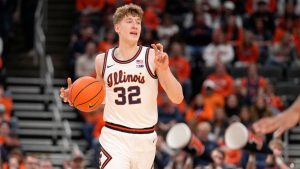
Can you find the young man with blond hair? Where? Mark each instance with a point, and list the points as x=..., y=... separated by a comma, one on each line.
x=131, y=74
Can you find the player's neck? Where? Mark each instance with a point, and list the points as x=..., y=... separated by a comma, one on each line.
x=126, y=51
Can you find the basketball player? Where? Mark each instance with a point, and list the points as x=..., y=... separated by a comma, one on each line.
x=131, y=74
x=281, y=122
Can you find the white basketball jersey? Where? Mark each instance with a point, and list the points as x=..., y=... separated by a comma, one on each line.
x=131, y=90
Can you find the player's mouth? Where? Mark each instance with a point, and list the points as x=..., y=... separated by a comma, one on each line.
x=134, y=33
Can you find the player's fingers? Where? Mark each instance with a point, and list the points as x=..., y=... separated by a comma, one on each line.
x=62, y=92
x=266, y=125
x=155, y=48
x=69, y=82
x=279, y=132
x=160, y=47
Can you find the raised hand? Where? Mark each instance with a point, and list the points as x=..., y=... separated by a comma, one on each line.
x=65, y=93
x=161, y=58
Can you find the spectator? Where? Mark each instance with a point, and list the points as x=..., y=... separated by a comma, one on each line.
x=262, y=37
x=198, y=9
x=260, y=109
x=91, y=8
x=222, y=80
x=167, y=29
x=15, y=160
x=212, y=99
x=198, y=112
x=219, y=124
x=296, y=38
x=7, y=103
x=32, y=162
x=218, y=156
x=246, y=116
x=230, y=29
x=263, y=13
x=77, y=161
x=151, y=20
x=232, y=106
x=46, y=164
x=107, y=42
x=283, y=52
x=87, y=34
x=203, y=133
x=253, y=84
x=276, y=160
x=168, y=115
x=85, y=64
x=199, y=30
x=179, y=63
x=218, y=51
x=274, y=102
x=247, y=50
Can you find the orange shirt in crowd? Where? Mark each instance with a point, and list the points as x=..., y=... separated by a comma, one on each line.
x=249, y=6
x=296, y=38
x=275, y=101
x=206, y=114
x=181, y=66
x=151, y=20
x=224, y=84
x=103, y=46
x=279, y=32
x=8, y=103
x=213, y=101
x=21, y=166
x=247, y=54
x=84, y=4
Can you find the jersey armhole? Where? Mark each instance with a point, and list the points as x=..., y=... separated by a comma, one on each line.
x=104, y=64
x=153, y=75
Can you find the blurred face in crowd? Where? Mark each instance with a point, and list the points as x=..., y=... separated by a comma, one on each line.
x=245, y=113
x=218, y=157
x=31, y=162
x=13, y=163
x=4, y=129
x=91, y=49
x=232, y=101
x=262, y=6
x=248, y=37
x=1, y=91
x=199, y=100
x=176, y=49
x=259, y=24
x=203, y=130
x=46, y=164
x=129, y=28
x=260, y=102
x=220, y=114
x=218, y=37
x=78, y=163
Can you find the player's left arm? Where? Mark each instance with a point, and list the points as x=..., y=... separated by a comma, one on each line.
x=167, y=80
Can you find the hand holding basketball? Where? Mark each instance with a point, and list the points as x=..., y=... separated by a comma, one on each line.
x=65, y=93
x=161, y=58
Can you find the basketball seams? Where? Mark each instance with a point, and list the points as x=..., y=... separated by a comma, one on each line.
x=83, y=89
x=91, y=98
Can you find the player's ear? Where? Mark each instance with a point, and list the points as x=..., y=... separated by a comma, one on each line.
x=117, y=28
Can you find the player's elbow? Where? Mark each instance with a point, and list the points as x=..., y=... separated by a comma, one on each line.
x=178, y=98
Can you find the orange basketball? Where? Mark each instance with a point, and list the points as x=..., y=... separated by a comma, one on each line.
x=87, y=94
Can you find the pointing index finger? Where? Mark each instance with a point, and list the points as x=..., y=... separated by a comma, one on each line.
x=69, y=82
x=155, y=48
x=160, y=47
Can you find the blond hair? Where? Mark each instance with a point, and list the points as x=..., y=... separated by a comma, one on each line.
x=129, y=9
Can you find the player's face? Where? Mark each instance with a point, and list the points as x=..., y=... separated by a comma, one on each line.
x=129, y=28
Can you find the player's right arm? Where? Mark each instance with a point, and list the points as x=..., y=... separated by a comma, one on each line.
x=99, y=66
x=280, y=123
x=64, y=93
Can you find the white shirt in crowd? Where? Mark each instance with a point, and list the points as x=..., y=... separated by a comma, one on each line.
x=213, y=53
x=84, y=65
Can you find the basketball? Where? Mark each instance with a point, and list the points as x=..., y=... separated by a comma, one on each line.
x=87, y=94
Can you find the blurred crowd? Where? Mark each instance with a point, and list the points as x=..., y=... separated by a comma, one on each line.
x=205, y=40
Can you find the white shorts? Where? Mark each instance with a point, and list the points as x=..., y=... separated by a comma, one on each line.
x=122, y=150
